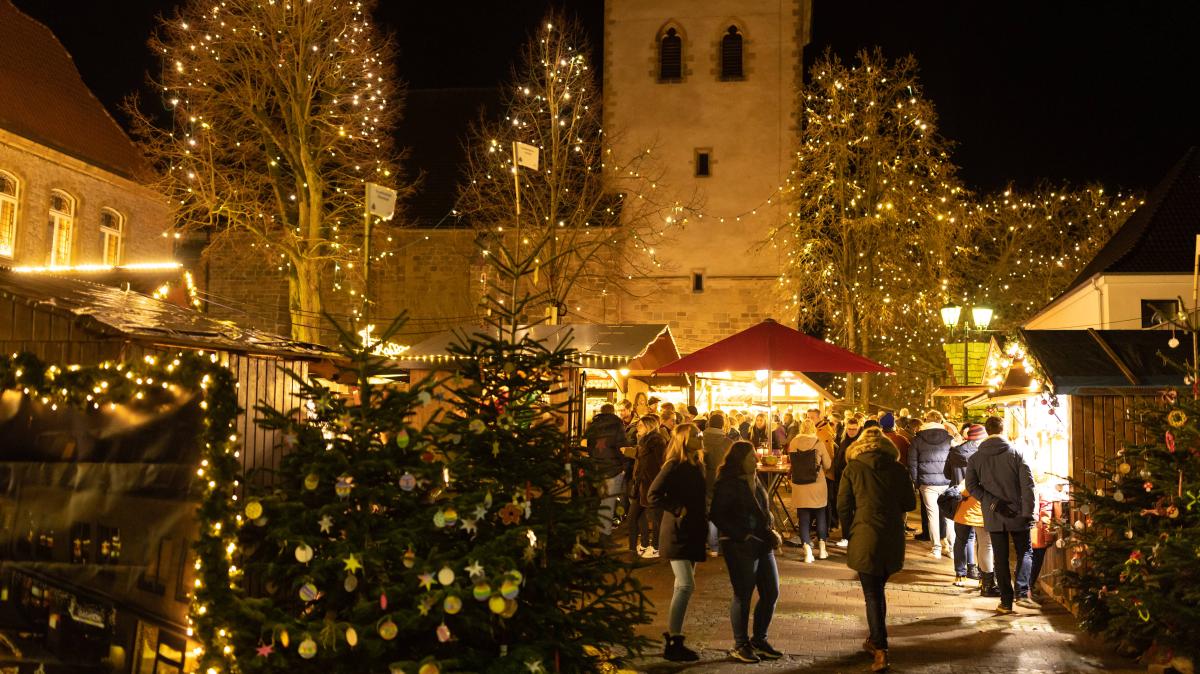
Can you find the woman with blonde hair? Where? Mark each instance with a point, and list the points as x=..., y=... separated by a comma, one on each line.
x=760, y=433
x=874, y=497
x=680, y=491
x=810, y=458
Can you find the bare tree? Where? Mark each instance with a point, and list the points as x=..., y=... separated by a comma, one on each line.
x=1026, y=247
x=874, y=212
x=588, y=220
x=280, y=112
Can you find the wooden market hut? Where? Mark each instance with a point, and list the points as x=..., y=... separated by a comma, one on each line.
x=96, y=524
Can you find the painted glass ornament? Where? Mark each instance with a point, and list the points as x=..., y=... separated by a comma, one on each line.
x=311, y=481
x=446, y=575
x=344, y=484
x=388, y=630
x=309, y=592
x=254, y=510
x=307, y=648
x=452, y=605
x=304, y=553
x=408, y=482
x=351, y=637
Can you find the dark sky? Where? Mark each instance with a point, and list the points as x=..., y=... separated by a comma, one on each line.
x=1029, y=89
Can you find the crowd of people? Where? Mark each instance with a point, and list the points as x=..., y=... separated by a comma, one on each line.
x=688, y=487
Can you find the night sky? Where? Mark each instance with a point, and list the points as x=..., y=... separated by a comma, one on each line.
x=1065, y=90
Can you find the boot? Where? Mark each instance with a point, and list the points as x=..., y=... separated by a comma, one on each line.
x=988, y=586
x=973, y=571
x=808, y=555
x=675, y=651
x=881, y=663
x=822, y=553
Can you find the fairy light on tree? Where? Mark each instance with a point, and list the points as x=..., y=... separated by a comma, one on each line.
x=593, y=218
x=280, y=113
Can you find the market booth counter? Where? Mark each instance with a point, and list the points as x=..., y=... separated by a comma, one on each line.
x=1070, y=399
x=612, y=362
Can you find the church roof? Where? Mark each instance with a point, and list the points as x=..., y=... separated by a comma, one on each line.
x=1159, y=237
x=43, y=98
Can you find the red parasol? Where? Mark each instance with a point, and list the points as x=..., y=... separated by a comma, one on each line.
x=775, y=348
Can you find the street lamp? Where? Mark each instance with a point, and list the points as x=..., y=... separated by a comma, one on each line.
x=981, y=318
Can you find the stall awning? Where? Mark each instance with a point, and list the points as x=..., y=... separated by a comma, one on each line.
x=636, y=347
x=1082, y=362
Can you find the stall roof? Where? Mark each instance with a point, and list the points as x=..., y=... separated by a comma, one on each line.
x=113, y=312
x=638, y=347
x=1083, y=362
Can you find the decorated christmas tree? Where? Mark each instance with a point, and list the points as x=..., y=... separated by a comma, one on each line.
x=469, y=543
x=1133, y=541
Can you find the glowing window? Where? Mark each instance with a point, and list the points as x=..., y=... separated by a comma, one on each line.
x=112, y=230
x=8, y=214
x=61, y=229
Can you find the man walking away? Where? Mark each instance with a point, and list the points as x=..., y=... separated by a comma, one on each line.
x=605, y=436
x=1000, y=477
x=716, y=445
x=926, y=466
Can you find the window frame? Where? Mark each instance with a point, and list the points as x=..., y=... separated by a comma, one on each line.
x=107, y=233
x=707, y=153
x=733, y=31
x=58, y=220
x=13, y=202
x=669, y=32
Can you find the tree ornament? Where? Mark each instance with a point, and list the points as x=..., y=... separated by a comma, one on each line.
x=410, y=558
x=452, y=605
x=307, y=648
x=388, y=630
x=1144, y=473
x=353, y=564
x=1129, y=533
x=304, y=553
x=425, y=580
x=1173, y=342
x=474, y=569
x=1148, y=486
x=343, y=486
x=497, y=604
x=254, y=510
x=481, y=591
x=383, y=602
x=443, y=633
x=450, y=515
x=284, y=638
x=264, y=650
x=311, y=481
x=510, y=514
x=1119, y=496
x=1170, y=439
x=402, y=436
x=445, y=575
x=509, y=589
x=351, y=582
x=1177, y=418
x=351, y=637
x=408, y=482
x=1124, y=468
x=1173, y=512
x=309, y=592
x=510, y=608
x=1078, y=525
x=476, y=426
x=326, y=524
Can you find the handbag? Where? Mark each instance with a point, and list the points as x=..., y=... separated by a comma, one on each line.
x=948, y=501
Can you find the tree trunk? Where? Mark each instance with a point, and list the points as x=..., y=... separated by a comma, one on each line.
x=304, y=301
x=864, y=346
x=851, y=343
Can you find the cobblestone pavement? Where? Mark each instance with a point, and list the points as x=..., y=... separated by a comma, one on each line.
x=933, y=627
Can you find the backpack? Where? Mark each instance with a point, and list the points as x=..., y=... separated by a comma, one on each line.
x=805, y=466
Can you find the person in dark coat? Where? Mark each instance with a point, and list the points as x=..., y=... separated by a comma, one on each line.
x=605, y=436
x=1000, y=477
x=850, y=433
x=644, y=520
x=965, y=567
x=680, y=491
x=874, y=498
x=741, y=512
x=927, y=467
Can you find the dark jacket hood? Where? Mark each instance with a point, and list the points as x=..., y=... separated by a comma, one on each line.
x=934, y=436
x=872, y=451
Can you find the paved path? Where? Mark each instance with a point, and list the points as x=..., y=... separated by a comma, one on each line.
x=933, y=626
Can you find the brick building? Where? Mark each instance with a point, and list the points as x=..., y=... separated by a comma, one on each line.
x=72, y=188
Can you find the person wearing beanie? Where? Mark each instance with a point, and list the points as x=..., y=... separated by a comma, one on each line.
x=888, y=424
x=972, y=545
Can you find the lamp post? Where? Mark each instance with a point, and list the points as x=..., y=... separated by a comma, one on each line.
x=952, y=316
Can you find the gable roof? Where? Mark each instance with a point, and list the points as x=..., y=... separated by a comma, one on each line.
x=43, y=98
x=1077, y=362
x=1159, y=236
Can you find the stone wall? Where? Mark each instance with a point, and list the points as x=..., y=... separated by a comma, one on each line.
x=39, y=170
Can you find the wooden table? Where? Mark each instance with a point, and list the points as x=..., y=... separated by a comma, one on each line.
x=774, y=477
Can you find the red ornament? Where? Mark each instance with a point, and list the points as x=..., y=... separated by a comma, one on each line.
x=510, y=514
x=1170, y=442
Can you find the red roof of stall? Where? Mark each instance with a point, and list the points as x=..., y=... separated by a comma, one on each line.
x=774, y=347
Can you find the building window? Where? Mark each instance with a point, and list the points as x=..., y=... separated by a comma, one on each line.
x=112, y=230
x=670, y=57
x=698, y=281
x=731, y=55
x=1157, y=312
x=8, y=214
x=61, y=229
x=703, y=163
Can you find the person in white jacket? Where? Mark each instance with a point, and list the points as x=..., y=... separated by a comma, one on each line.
x=811, y=457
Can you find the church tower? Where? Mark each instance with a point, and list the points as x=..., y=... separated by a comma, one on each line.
x=711, y=86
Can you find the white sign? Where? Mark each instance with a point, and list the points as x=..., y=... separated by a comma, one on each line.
x=381, y=201
x=527, y=155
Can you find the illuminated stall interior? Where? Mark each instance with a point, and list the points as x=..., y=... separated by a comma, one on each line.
x=747, y=392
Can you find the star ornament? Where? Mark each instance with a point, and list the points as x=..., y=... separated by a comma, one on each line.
x=474, y=569
x=326, y=523
x=426, y=580
x=535, y=667
x=469, y=526
x=352, y=564
x=265, y=650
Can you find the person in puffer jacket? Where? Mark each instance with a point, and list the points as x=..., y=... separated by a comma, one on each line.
x=927, y=466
